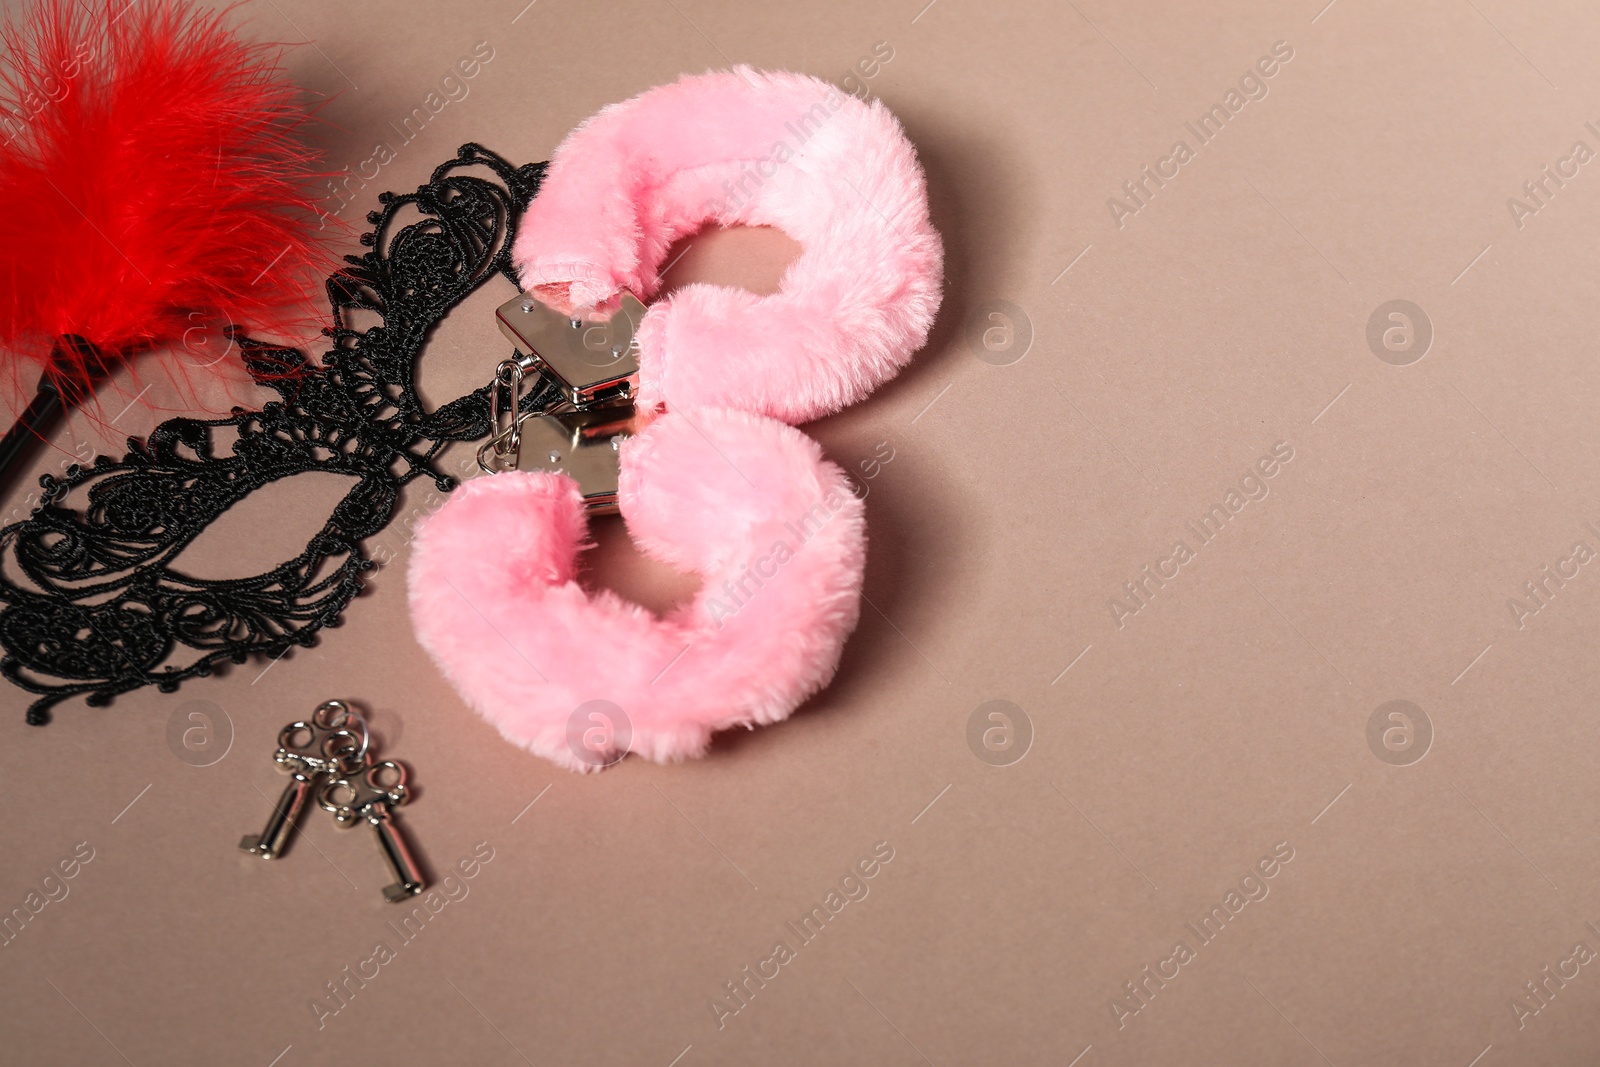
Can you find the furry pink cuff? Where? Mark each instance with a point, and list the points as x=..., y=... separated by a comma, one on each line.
x=746, y=502
x=717, y=484
x=753, y=149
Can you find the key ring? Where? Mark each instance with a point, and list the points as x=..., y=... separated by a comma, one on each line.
x=337, y=715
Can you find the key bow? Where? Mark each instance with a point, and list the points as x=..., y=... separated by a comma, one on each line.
x=333, y=740
x=375, y=790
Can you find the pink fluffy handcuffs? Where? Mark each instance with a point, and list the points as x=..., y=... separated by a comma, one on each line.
x=718, y=481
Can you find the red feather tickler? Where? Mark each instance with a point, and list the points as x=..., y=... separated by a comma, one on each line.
x=150, y=169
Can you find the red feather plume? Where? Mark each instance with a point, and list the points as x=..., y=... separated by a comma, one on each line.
x=150, y=168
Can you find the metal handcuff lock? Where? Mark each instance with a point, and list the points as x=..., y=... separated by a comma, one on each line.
x=593, y=361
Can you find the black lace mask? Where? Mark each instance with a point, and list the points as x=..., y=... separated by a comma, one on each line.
x=108, y=611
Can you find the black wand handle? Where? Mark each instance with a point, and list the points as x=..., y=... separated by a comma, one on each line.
x=32, y=429
x=68, y=381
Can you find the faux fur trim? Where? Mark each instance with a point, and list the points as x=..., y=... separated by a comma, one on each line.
x=750, y=148
x=745, y=501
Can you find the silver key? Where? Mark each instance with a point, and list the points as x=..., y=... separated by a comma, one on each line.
x=335, y=740
x=367, y=797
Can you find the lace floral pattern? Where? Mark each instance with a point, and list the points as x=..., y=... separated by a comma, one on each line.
x=93, y=600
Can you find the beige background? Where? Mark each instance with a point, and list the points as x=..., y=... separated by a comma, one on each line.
x=1228, y=715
